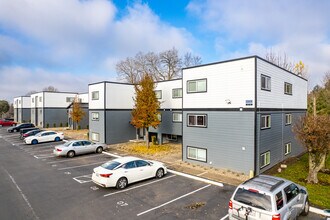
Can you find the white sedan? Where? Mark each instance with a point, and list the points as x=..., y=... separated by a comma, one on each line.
x=72, y=148
x=125, y=170
x=44, y=136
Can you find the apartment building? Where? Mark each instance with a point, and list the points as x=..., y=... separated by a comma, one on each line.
x=22, y=109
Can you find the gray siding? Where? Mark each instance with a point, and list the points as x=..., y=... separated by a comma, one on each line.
x=275, y=138
x=26, y=115
x=97, y=126
x=226, y=135
x=52, y=116
x=16, y=114
x=118, y=127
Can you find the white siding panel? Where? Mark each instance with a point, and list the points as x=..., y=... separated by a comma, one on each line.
x=167, y=102
x=276, y=97
x=56, y=99
x=36, y=102
x=96, y=104
x=119, y=96
x=233, y=81
x=83, y=97
x=26, y=102
x=15, y=104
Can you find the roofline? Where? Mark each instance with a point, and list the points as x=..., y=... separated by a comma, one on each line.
x=111, y=82
x=55, y=92
x=26, y=96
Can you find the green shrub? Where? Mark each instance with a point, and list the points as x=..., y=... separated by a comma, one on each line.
x=154, y=140
x=54, y=125
x=67, y=124
x=47, y=125
x=61, y=124
x=87, y=126
x=79, y=127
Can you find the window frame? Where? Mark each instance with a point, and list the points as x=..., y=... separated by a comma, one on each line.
x=98, y=135
x=160, y=116
x=69, y=99
x=287, y=148
x=265, y=162
x=197, y=115
x=197, y=149
x=98, y=116
x=196, y=80
x=159, y=92
x=269, y=122
x=176, y=89
x=288, y=85
x=288, y=122
x=93, y=95
x=176, y=121
x=40, y=98
x=267, y=79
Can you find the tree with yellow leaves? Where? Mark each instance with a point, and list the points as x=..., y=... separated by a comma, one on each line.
x=77, y=113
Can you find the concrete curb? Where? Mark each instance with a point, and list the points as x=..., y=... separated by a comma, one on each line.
x=311, y=209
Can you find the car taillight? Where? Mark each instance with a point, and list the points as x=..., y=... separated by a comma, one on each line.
x=106, y=175
x=58, y=149
x=25, y=135
x=276, y=217
x=230, y=204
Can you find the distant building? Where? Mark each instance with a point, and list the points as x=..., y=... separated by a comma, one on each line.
x=22, y=109
x=83, y=101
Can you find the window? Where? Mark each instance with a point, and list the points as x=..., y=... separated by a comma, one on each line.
x=288, y=119
x=177, y=93
x=195, y=153
x=265, y=121
x=141, y=163
x=32, y=100
x=177, y=117
x=69, y=99
x=264, y=159
x=159, y=116
x=287, y=88
x=265, y=83
x=95, y=116
x=95, y=95
x=95, y=136
x=291, y=191
x=197, y=120
x=158, y=94
x=172, y=137
x=19, y=101
x=279, y=200
x=196, y=86
x=40, y=99
x=130, y=165
x=287, y=148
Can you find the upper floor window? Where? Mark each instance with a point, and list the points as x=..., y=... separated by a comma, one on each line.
x=265, y=83
x=95, y=95
x=158, y=94
x=197, y=120
x=19, y=101
x=69, y=99
x=177, y=93
x=177, y=117
x=32, y=100
x=40, y=99
x=287, y=88
x=265, y=121
x=288, y=119
x=194, y=86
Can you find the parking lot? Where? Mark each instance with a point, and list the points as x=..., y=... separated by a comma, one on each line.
x=38, y=185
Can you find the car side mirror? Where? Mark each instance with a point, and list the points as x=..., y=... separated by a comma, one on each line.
x=302, y=191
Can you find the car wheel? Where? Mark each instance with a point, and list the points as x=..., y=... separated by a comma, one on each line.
x=34, y=141
x=121, y=183
x=306, y=208
x=15, y=130
x=160, y=173
x=71, y=153
x=57, y=139
x=99, y=150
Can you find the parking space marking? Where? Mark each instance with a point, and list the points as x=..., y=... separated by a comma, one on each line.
x=201, y=173
x=67, y=168
x=43, y=156
x=80, y=179
x=173, y=200
x=135, y=187
x=38, y=151
x=68, y=160
x=224, y=217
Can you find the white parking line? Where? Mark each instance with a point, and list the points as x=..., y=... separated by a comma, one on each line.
x=68, y=160
x=67, y=168
x=173, y=200
x=224, y=217
x=43, y=156
x=196, y=178
x=135, y=187
x=78, y=178
x=38, y=151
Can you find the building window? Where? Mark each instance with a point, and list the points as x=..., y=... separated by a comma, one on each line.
x=194, y=86
x=69, y=99
x=158, y=94
x=19, y=101
x=40, y=99
x=287, y=148
x=95, y=136
x=95, y=116
x=159, y=117
x=287, y=88
x=288, y=119
x=177, y=117
x=177, y=93
x=195, y=153
x=197, y=120
x=265, y=121
x=95, y=95
x=32, y=100
x=264, y=159
x=265, y=83
x=172, y=137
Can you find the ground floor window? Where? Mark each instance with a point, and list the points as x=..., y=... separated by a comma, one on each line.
x=195, y=153
x=264, y=159
x=95, y=136
x=287, y=148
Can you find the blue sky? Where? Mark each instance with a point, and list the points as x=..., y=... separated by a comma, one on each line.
x=71, y=43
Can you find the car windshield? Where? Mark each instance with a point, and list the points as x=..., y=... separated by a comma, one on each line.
x=254, y=199
x=110, y=165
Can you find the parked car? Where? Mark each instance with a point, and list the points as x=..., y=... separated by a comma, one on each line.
x=125, y=170
x=6, y=122
x=72, y=148
x=20, y=126
x=267, y=197
x=26, y=132
x=44, y=136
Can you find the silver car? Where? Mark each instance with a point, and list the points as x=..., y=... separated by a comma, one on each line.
x=268, y=197
x=75, y=147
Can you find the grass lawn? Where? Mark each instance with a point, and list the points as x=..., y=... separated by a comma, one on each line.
x=319, y=194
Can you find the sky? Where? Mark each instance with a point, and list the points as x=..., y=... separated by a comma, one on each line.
x=69, y=44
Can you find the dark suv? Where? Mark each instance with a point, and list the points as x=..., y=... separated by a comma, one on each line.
x=20, y=126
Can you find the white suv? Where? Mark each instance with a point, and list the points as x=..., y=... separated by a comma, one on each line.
x=268, y=197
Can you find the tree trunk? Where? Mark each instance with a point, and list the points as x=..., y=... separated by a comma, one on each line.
x=316, y=163
x=147, y=137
